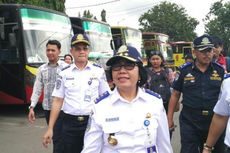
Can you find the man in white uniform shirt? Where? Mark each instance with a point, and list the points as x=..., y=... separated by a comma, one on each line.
x=77, y=86
x=220, y=119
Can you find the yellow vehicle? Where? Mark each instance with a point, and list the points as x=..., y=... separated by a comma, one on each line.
x=158, y=42
x=126, y=36
x=180, y=49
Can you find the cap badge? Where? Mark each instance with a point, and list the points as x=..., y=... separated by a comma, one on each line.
x=80, y=37
x=205, y=41
x=123, y=51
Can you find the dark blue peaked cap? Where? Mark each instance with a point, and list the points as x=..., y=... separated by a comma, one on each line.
x=203, y=42
x=79, y=38
x=125, y=52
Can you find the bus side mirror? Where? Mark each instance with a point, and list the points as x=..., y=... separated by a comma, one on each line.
x=112, y=45
x=12, y=39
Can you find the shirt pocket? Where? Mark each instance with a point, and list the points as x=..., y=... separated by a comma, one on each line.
x=114, y=130
x=190, y=84
x=71, y=85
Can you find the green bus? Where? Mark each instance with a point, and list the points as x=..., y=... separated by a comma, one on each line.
x=24, y=32
x=100, y=37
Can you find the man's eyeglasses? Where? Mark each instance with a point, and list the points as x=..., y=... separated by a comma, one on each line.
x=127, y=66
x=82, y=48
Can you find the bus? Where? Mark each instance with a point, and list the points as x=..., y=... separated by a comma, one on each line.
x=24, y=32
x=123, y=35
x=180, y=49
x=158, y=42
x=100, y=38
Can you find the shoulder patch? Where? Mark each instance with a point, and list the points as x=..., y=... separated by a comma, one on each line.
x=94, y=64
x=185, y=65
x=101, y=97
x=227, y=76
x=65, y=68
x=153, y=93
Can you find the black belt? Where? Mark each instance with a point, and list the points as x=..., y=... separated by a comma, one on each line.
x=204, y=112
x=80, y=118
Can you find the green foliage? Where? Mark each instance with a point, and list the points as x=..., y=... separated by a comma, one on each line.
x=218, y=23
x=57, y=5
x=170, y=19
x=87, y=14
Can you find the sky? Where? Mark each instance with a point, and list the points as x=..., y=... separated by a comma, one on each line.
x=127, y=12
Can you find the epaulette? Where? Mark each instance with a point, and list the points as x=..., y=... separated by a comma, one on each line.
x=185, y=65
x=218, y=65
x=101, y=97
x=153, y=93
x=94, y=64
x=65, y=68
x=226, y=75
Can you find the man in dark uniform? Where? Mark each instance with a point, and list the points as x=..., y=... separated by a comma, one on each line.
x=200, y=84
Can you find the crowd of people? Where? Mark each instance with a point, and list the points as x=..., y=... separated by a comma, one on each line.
x=85, y=115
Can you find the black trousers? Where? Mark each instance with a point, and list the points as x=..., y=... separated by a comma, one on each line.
x=73, y=132
x=57, y=133
x=194, y=128
x=227, y=149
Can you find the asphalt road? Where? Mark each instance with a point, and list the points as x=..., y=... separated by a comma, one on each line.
x=17, y=135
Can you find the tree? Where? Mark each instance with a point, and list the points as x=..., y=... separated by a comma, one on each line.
x=51, y=4
x=103, y=15
x=218, y=23
x=87, y=14
x=170, y=19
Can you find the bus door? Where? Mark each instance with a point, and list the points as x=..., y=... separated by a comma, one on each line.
x=11, y=69
x=187, y=50
x=117, y=38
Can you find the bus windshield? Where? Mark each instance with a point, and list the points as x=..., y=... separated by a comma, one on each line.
x=98, y=32
x=39, y=27
x=133, y=38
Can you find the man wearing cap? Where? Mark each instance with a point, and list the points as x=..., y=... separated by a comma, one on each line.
x=200, y=84
x=130, y=119
x=77, y=86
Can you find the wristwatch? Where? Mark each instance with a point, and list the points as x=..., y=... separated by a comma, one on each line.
x=208, y=148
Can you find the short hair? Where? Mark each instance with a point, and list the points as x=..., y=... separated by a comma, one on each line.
x=158, y=53
x=54, y=42
x=69, y=56
x=217, y=41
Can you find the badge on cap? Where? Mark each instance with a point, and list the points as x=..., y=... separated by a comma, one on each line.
x=205, y=41
x=80, y=37
x=123, y=51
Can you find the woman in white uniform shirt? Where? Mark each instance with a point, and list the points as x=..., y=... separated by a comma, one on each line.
x=130, y=119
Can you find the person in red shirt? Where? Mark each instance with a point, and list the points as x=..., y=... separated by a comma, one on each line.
x=218, y=52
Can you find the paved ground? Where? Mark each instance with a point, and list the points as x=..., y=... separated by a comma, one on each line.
x=18, y=136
